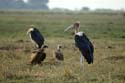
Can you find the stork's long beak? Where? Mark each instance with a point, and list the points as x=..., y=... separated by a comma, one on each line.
x=71, y=26
x=28, y=32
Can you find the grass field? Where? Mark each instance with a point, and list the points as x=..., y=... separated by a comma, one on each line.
x=105, y=30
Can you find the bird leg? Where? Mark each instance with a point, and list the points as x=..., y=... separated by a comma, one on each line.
x=81, y=60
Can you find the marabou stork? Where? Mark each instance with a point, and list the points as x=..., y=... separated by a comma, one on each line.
x=39, y=55
x=35, y=36
x=83, y=43
x=58, y=53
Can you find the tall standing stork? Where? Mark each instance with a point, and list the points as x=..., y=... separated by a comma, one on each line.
x=83, y=43
x=35, y=36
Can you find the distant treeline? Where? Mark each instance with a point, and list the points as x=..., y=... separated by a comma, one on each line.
x=20, y=4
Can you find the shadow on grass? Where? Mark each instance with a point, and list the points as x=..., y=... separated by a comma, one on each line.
x=119, y=77
x=115, y=58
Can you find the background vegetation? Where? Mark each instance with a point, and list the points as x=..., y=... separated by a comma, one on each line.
x=105, y=30
x=21, y=4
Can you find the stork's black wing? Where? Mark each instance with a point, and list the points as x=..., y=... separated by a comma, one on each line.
x=89, y=42
x=37, y=37
x=85, y=46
